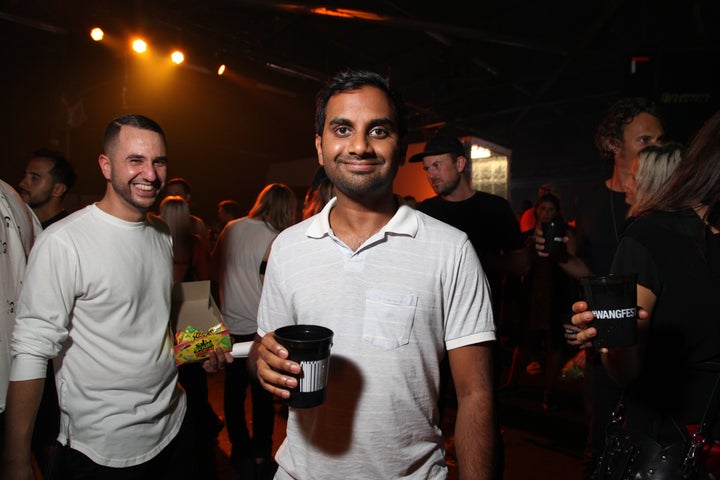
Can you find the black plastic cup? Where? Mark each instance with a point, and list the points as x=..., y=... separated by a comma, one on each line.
x=309, y=345
x=613, y=301
x=553, y=233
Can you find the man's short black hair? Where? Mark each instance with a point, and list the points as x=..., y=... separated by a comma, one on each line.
x=347, y=80
x=112, y=131
x=62, y=170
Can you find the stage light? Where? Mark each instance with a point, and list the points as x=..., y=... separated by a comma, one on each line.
x=97, y=34
x=139, y=45
x=177, y=57
x=221, y=69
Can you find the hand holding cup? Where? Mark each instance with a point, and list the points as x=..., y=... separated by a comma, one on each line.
x=612, y=299
x=309, y=345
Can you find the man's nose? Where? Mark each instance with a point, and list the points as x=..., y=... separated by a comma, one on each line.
x=150, y=171
x=359, y=145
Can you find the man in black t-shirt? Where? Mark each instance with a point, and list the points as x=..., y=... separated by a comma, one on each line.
x=490, y=224
x=487, y=219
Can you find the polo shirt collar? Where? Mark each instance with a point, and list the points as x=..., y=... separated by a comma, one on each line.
x=404, y=222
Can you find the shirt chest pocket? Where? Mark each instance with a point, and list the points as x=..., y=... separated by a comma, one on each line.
x=388, y=318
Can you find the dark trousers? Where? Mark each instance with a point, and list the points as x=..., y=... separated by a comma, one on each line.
x=178, y=460
x=605, y=394
x=237, y=380
x=193, y=379
x=47, y=422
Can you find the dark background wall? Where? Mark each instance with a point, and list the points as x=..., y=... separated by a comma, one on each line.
x=58, y=89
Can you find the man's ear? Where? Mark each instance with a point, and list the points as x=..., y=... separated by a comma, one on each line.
x=59, y=189
x=461, y=163
x=318, y=148
x=105, y=166
x=612, y=146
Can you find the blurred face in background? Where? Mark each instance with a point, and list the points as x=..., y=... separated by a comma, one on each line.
x=642, y=131
x=37, y=185
x=224, y=216
x=176, y=189
x=444, y=173
x=545, y=212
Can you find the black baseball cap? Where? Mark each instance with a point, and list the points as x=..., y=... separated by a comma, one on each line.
x=439, y=144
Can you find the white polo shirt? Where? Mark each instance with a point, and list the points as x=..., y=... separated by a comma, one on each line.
x=410, y=291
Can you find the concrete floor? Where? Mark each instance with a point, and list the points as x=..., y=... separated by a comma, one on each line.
x=538, y=445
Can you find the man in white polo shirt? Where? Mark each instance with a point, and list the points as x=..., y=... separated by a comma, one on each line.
x=397, y=287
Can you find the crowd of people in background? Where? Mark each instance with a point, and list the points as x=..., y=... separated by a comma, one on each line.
x=90, y=298
x=238, y=260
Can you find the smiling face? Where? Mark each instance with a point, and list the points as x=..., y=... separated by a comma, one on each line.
x=360, y=146
x=136, y=169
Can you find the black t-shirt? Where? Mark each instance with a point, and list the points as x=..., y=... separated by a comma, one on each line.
x=487, y=219
x=678, y=259
x=600, y=221
x=62, y=214
x=489, y=222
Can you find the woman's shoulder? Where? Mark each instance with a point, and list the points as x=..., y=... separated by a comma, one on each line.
x=681, y=222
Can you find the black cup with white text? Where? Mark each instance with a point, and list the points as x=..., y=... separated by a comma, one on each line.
x=613, y=301
x=308, y=345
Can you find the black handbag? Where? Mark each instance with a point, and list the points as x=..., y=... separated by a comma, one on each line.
x=634, y=455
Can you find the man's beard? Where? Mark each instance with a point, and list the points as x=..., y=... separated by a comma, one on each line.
x=362, y=185
x=446, y=188
x=34, y=203
x=124, y=191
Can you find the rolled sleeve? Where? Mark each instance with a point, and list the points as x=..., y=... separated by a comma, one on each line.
x=27, y=367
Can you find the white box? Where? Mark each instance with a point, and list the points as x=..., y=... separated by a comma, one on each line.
x=193, y=304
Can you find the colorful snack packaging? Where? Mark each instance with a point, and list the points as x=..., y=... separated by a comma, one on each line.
x=193, y=345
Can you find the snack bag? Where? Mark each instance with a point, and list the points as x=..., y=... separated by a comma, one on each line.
x=193, y=345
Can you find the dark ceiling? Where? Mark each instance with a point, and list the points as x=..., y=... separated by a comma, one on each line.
x=524, y=74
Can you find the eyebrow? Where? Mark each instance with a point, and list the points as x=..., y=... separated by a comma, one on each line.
x=339, y=121
x=136, y=156
x=384, y=122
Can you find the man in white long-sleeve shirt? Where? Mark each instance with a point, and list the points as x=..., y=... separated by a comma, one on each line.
x=97, y=299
